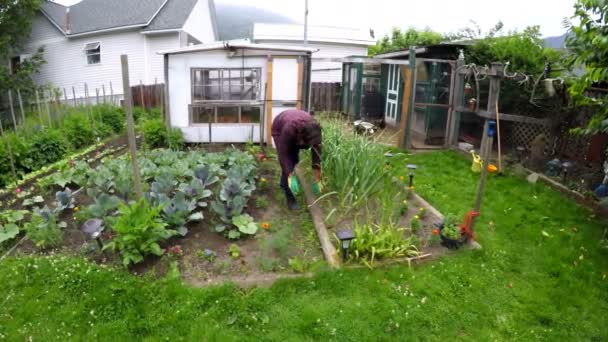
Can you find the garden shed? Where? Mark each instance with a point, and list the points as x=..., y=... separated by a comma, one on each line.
x=229, y=92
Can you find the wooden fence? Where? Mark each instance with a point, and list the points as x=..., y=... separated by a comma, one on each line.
x=325, y=96
x=148, y=96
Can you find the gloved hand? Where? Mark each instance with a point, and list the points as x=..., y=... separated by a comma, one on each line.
x=292, y=182
x=317, y=187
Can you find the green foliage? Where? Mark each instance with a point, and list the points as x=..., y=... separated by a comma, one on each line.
x=373, y=242
x=450, y=229
x=234, y=251
x=245, y=224
x=78, y=130
x=588, y=50
x=111, y=116
x=43, y=229
x=415, y=224
x=155, y=133
x=261, y=202
x=175, y=139
x=46, y=147
x=399, y=40
x=8, y=224
x=139, y=229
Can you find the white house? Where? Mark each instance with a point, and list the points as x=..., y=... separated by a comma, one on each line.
x=330, y=42
x=83, y=42
x=231, y=91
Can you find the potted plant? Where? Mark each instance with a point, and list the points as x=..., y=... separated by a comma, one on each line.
x=450, y=233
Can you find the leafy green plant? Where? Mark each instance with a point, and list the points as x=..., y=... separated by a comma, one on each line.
x=245, y=224
x=175, y=139
x=8, y=223
x=104, y=206
x=139, y=228
x=373, y=242
x=261, y=202
x=207, y=255
x=44, y=230
x=64, y=200
x=179, y=211
x=46, y=146
x=113, y=117
x=78, y=130
x=232, y=200
x=450, y=229
x=415, y=224
x=234, y=251
x=155, y=133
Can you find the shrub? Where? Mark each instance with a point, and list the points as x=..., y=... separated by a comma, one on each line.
x=78, y=130
x=46, y=147
x=155, y=133
x=112, y=116
x=139, y=228
x=102, y=130
x=175, y=139
x=139, y=114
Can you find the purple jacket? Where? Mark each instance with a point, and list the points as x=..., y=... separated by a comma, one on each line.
x=285, y=128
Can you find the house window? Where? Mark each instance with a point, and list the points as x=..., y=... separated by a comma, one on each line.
x=226, y=95
x=15, y=63
x=225, y=85
x=93, y=53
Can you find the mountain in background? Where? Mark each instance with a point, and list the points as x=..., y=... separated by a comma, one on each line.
x=236, y=22
x=556, y=42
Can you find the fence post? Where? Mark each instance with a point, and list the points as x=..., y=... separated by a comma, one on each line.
x=96, y=96
x=21, y=106
x=458, y=101
x=495, y=74
x=10, y=103
x=39, y=110
x=103, y=90
x=128, y=104
x=141, y=94
x=74, y=96
x=111, y=93
x=48, y=108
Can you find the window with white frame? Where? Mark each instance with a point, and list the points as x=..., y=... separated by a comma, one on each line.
x=225, y=95
x=93, y=53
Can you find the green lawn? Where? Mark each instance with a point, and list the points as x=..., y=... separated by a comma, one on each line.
x=523, y=285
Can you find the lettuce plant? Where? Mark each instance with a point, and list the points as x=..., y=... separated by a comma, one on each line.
x=179, y=212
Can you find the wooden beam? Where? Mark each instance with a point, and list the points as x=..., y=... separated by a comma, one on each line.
x=269, y=101
x=128, y=105
x=505, y=117
x=300, y=79
x=407, y=89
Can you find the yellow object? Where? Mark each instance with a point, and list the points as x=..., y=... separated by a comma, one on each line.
x=492, y=168
x=477, y=162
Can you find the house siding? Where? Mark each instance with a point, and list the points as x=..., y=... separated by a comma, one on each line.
x=199, y=23
x=326, y=71
x=156, y=62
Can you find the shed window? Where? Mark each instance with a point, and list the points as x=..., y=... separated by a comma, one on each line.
x=225, y=84
x=225, y=113
x=93, y=53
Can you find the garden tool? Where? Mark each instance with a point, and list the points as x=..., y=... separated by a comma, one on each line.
x=469, y=219
x=477, y=162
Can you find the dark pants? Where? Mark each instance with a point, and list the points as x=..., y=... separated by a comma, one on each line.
x=294, y=159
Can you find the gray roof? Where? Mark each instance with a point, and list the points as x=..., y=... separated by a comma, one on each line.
x=236, y=22
x=173, y=15
x=94, y=15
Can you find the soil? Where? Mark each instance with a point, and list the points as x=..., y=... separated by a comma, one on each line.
x=255, y=264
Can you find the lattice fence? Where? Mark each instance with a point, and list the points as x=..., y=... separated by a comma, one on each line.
x=522, y=134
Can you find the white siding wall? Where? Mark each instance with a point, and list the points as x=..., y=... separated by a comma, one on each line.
x=154, y=44
x=320, y=72
x=66, y=65
x=199, y=23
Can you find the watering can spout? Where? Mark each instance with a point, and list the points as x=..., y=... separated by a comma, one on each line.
x=477, y=162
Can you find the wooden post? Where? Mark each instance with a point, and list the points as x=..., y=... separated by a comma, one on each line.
x=458, y=100
x=65, y=97
x=111, y=93
x=166, y=97
x=38, y=106
x=141, y=94
x=74, y=96
x=103, y=90
x=10, y=103
x=407, y=108
x=128, y=105
x=496, y=71
x=300, y=94
x=21, y=106
x=155, y=101
x=96, y=96
x=48, y=109
x=269, y=102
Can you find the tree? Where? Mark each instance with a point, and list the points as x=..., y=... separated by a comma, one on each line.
x=15, y=25
x=588, y=50
x=399, y=40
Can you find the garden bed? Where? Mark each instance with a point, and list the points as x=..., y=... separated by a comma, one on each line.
x=283, y=242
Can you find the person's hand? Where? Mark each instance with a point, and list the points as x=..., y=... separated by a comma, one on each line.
x=317, y=187
x=292, y=182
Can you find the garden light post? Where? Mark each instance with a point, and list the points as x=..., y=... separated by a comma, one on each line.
x=520, y=153
x=345, y=236
x=411, y=169
x=566, y=168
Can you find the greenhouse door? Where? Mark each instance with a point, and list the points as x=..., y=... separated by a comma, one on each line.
x=392, y=94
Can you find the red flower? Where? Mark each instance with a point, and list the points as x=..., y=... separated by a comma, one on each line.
x=18, y=190
x=435, y=231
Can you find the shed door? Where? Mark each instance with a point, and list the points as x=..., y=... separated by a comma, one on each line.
x=392, y=95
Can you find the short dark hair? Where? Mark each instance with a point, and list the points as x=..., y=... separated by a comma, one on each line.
x=311, y=133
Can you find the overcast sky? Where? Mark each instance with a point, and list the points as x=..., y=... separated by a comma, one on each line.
x=439, y=15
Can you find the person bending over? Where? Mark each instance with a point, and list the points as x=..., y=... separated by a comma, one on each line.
x=292, y=131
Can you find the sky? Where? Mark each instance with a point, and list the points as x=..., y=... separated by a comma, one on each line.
x=439, y=15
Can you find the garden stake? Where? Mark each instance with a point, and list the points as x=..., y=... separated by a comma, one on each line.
x=498, y=137
x=467, y=227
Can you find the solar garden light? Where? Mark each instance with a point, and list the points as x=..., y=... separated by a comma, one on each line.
x=92, y=229
x=388, y=156
x=411, y=169
x=566, y=168
x=345, y=236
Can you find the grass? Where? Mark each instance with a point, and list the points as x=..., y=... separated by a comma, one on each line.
x=523, y=285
